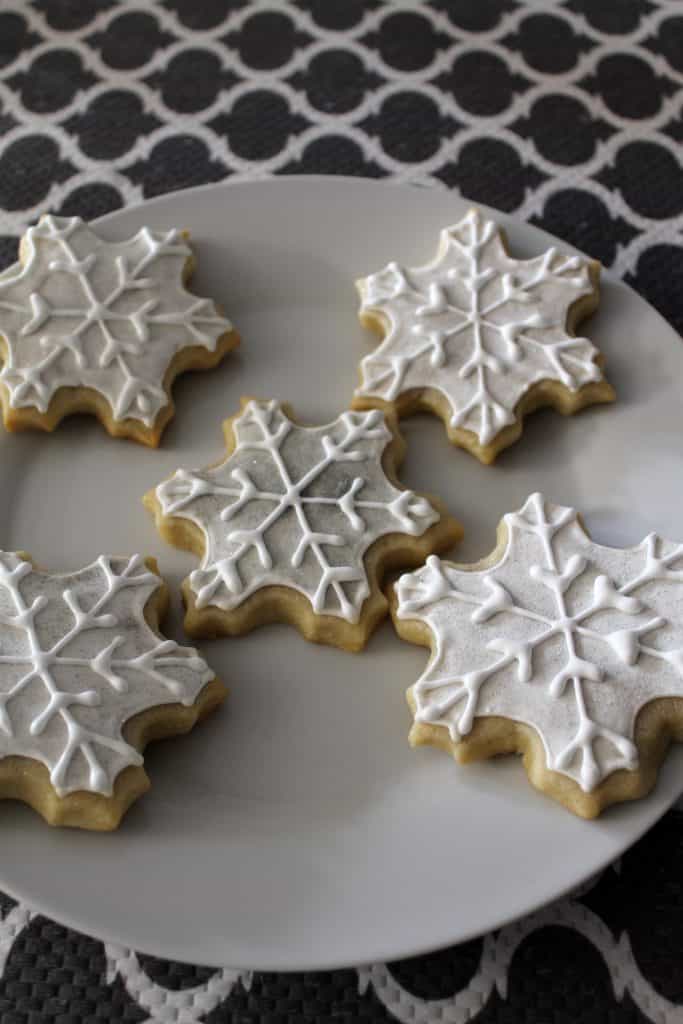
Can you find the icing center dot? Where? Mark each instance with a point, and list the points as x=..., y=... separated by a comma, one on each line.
x=98, y=311
x=41, y=660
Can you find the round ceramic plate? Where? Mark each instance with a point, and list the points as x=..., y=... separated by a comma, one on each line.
x=296, y=828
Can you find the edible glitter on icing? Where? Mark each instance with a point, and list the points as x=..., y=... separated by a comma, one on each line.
x=565, y=635
x=110, y=316
x=77, y=661
x=294, y=506
x=478, y=327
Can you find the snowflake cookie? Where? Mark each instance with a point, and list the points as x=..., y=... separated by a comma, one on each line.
x=480, y=338
x=86, y=679
x=102, y=327
x=297, y=525
x=555, y=647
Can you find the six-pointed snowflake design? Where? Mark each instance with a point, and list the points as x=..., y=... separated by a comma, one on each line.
x=110, y=316
x=565, y=635
x=478, y=327
x=77, y=661
x=294, y=506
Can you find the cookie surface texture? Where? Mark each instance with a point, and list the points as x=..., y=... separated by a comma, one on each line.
x=102, y=327
x=480, y=338
x=298, y=524
x=554, y=647
x=86, y=679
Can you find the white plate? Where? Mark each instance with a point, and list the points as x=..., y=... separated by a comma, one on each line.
x=296, y=828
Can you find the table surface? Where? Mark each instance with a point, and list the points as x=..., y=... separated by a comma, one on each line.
x=567, y=114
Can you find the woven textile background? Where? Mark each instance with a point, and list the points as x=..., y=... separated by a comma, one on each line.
x=570, y=115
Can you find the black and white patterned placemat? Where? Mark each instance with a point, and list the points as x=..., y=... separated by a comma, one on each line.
x=569, y=114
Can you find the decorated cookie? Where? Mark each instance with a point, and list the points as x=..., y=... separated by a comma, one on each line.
x=297, y=524
x=86, y=680
x=480, y=338
x=554, y=647
x=102, y=327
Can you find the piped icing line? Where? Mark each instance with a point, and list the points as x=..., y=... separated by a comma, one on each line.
x=478, y=327
x=110, y=316
x=567, y=636
x=294, y=506
x=77, y=661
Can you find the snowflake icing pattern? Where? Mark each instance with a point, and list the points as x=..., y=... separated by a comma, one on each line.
x=478, y=327
x=77, y=661
x=566, y=635
x=294, y=506
x=103, y=315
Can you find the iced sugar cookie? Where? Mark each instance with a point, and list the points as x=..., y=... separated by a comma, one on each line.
x=297, y=524
x=86, y=679
x=553, y=647
x=480, y=338
x=102, y=327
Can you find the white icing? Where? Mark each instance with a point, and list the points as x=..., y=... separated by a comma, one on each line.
x=477, y=326
x=109, y=316
x=77, y=661
x=294, y=506
x=565, y=635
